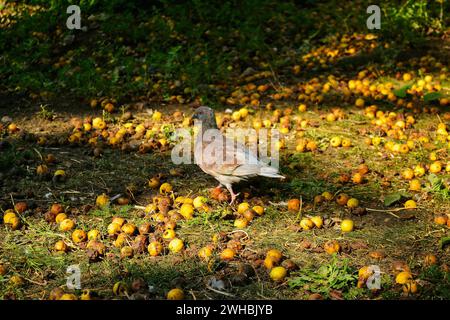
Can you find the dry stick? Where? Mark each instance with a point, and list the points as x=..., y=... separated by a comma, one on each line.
x=300, y=213
x=12, y=199
x=276, y=79
x=251, y=250
x=220, y=292
x=431, y=232
x=104, y=183
x=75, y=160
x=388, y=211
x=239, y=230
x=71, y=191
x=39, y=154
x=115, y=197
x=35, y=282
x=208, y=297
x=41, y=284
x=356, y=122
x=35, y=200
x=127, y=295
x=275, y=204
x=264, y=297
x=132, y=196
x=281, y=285
x=259, y=281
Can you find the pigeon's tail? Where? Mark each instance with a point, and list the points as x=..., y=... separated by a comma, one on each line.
x=270, y=172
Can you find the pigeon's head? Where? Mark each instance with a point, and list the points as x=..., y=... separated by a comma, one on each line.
x=206, y=116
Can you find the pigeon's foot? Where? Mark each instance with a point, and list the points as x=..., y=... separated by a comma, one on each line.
x=233, y=195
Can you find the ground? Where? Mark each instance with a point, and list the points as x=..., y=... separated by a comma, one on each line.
x=104, y=107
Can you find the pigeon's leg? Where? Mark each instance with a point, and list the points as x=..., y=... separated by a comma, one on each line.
x=233, y=195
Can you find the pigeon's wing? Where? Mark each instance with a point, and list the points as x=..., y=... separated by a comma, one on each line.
x=235, y=159
x=226, y=157
x=253, y=166
x=250, y=165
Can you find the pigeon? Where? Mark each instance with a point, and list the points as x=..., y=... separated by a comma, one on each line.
x=221, y=157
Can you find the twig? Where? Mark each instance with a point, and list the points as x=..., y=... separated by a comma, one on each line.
x=35, y=282
x=300, y=213
x=71, y=191
x=39, y=154
x=239, y=230
x=127, y=295
x=386, y=210
x=115, y=197
x=264, y=297
x=220, y=292
x=193, y=295
x=251, y=250
x=12, y=199
x=277, y=204
x=391, y=212
x=431, y=232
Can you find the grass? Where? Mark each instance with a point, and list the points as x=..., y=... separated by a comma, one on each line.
x=176, y=56
x=271, y=230
x=158, y=65
x=336, y=275
x=46, y=113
